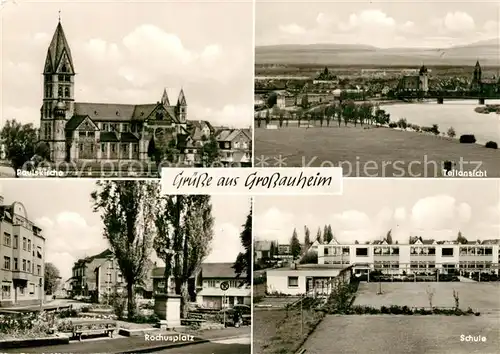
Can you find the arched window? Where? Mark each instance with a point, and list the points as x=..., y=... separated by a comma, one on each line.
x=59, y=92
x=66, y=92
x=64, y=69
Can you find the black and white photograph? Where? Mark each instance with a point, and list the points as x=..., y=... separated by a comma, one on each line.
x=391, y=266
x=122, y=89
x=103, y=266
x=379, y=88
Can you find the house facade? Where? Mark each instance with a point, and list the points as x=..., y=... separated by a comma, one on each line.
x=210, y=294
x=418, y=257
x=96, y=276
x=22, y=253
x=311, y=279
x=235, y=147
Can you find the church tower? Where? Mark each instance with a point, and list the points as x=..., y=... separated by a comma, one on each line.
x=423, y=79
x=182, y=107
x=58, y=86
x=58, y=148
x=476, y=78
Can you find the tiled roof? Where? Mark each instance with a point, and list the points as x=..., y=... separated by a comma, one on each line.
x=218, y=270
x=262, y=245
x=75, y=121
x=109, y=137
x=128, y=138
x=120, y=112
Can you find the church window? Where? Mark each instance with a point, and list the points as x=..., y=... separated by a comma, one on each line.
x=124, y=147
x=59, y=92
x=135, y=147
x=81, y=147
x=103, y=147
x=113, y=148
x=64, y=69
x=92, y=148
x=66, y=92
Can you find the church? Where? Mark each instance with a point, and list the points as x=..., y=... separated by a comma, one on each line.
x=76, y=131
x=415, y=83
x=485, y=86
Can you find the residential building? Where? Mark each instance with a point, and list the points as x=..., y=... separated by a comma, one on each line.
x=190, y=145
x=210, y=294
x=318, y=279
x=22, y=252
x=235, y=147
x=262, y=250
x=96, y=276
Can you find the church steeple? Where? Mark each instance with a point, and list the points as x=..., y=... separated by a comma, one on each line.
x=164, y=98
x=182, y=107
x=58, y=58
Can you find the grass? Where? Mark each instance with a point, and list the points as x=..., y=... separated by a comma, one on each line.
x=373, y=152
x=276, y=333
x=480, y=297
x=403, y=334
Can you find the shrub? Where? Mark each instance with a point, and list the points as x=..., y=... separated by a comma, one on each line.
x=467, y=139
x=435, y=129
x=393, y=125
x=384, y=310
x=491, y=145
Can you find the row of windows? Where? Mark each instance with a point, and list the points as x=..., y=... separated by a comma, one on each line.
x=445, y=252
x=216, y=283
x=27, y=265
x=6, y=290
x=336, y=251
x=62, y=92
x=124, y=147
x=14, y=243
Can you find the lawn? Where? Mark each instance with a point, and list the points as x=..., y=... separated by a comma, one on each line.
x=276, y=333
x=482, y=297
x=372, y=152
x=403, y=334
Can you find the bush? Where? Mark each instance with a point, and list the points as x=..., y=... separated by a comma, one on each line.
x=393, y=125
x=491, y=145
x=467, y=139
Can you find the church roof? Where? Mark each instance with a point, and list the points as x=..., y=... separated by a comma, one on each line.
x=119, y=112
x=57, y=49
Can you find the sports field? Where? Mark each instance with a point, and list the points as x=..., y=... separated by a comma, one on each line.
x=372, y=152
x=482, y=297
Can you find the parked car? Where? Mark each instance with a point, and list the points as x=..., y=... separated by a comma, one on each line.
x=236, y=316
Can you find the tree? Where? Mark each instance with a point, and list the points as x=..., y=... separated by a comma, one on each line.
x=184, y=236
x=295, y=246
x=319, y=238
x=388, y=238
x=307, y=237
x=356, y=242
x=272, y=250
x=209, y=152
x=272, y=100
x=328, y=235
x=51, y=278
x=304, y=101
x=20, y=142
x=451, y=132
x=243, y=263
x=128, y=210
x=309, y=258
x=461, y=239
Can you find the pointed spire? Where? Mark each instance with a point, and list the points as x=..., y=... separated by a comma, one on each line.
x=164, y=98
x=477, y=64
x=58, y=49
x=181, y=101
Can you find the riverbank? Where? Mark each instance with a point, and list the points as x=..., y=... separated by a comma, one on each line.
x=371, y=152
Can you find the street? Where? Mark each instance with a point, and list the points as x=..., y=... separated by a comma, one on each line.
x=210, y=348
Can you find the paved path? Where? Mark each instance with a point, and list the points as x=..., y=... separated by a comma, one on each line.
x=210, y=348
x=240, y=336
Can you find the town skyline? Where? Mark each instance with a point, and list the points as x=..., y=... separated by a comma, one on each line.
x=400, y=24
x=434, y=209
x=184, y=51
x=73, y=231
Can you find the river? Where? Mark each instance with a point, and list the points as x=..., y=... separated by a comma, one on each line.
x=457, y=114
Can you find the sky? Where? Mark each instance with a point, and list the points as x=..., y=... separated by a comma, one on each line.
x=384, y=24
x=432, y=208
x=128, y=52
x=63, y=209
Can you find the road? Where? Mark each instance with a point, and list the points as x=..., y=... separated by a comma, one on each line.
x=210, y=348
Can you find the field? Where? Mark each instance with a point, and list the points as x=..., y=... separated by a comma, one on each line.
x=482, y=297
x=276, y=333
x=375, y=152
x=403, y=334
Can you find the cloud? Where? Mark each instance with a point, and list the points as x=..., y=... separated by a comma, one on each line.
x=226, y=244
x=229, y=115
x=292, y=28
x=438, y=213
x=368, y=20
x=68, y=237
x=458, y=22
